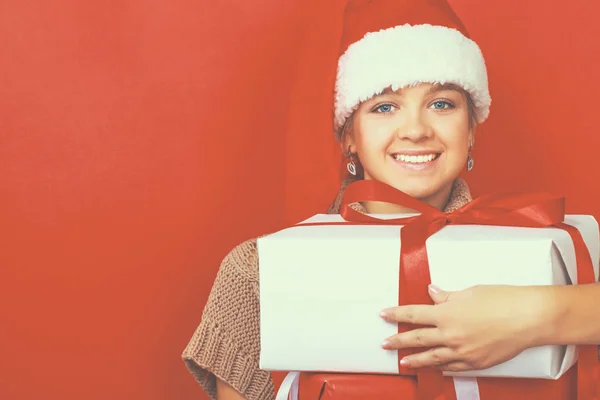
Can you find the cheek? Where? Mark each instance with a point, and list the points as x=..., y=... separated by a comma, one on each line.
x=455, y=137
x=372, y=137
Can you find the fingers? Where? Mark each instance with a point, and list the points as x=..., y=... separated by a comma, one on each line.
x=431, y=358
x=413, y=314
x=456, y=366
x=426, y=337
x=442, y=358
x=438, y=295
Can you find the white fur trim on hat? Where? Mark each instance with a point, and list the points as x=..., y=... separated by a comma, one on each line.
x=407, y=55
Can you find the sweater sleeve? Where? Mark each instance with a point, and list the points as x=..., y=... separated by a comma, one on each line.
x=226, y=344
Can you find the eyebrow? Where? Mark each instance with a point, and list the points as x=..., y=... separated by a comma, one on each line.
x=442, y=87
x=434, y=89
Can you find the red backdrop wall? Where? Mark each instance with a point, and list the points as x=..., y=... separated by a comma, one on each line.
x=140, y=141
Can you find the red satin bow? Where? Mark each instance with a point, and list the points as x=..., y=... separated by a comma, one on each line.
x=535, y=210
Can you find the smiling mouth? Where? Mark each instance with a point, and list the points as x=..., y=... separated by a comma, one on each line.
x=420, y=159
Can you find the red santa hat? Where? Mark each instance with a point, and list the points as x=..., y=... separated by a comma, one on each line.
x=399, y=43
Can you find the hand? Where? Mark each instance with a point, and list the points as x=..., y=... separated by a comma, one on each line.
x=471, y=329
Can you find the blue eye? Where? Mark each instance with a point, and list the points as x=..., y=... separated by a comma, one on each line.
x=384, y=108
x=441, y=105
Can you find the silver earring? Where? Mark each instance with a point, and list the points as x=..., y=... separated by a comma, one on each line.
x=351, y=166
x=470, y=161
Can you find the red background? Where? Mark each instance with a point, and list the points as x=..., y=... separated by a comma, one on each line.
x=141, y=140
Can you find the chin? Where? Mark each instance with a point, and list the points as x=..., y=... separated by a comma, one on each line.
x=418, y=191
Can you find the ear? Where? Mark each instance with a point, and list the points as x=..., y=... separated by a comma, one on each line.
x=472, y=136
x=347, y=138
x=347, y=145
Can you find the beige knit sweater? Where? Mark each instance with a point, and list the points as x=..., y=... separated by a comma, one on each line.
x=226, y=344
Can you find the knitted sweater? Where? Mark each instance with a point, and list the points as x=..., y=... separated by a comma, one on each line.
x=226, y=344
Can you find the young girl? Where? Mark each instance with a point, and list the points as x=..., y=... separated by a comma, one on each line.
x=411, y=89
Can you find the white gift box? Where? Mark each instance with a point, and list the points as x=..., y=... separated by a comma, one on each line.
x=322, y=288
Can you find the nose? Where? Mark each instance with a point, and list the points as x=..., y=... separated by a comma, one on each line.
x=415, y=127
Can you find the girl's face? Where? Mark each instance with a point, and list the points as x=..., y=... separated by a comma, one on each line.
x=416, y=139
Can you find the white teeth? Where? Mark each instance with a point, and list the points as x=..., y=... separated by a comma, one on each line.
x=414, y=159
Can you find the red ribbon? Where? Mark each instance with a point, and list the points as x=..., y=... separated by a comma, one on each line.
x=534, y=210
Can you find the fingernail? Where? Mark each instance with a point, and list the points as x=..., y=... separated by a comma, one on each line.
x=434, y=289
x=383, y=314
x=404, y=362
x=386, y=343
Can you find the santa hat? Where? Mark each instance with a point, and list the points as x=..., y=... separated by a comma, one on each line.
x=399, y=43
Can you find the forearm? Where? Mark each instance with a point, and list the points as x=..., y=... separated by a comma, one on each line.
x=573, y=316
x=227, y=392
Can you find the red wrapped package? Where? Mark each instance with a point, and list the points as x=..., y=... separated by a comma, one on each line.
x=329, y=386
x=356, y=387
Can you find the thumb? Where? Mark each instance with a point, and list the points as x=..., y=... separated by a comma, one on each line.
x=438, y=295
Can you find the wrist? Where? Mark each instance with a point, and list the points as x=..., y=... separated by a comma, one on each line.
x=550, y=313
